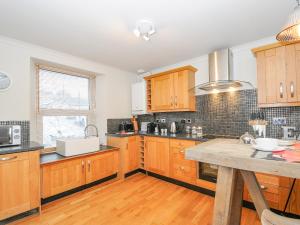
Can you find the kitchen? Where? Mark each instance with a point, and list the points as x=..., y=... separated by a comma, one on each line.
x=116, y=131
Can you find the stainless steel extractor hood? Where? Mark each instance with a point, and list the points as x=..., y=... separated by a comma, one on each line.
x=220, y=73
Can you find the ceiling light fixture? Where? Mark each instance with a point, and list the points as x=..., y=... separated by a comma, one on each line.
x=291, y=31
x=144, y=29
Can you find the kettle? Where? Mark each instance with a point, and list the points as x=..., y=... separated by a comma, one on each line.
x=174, y=127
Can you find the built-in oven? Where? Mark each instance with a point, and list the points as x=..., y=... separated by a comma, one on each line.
x=10, y=135
x=207, y=171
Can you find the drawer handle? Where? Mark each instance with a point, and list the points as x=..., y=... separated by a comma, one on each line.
x=181, y=168
x=281, y=90
x=181, y=151
x=8, y=158
x=263, y=187
x=292, y=90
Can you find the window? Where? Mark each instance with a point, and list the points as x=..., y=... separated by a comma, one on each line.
x=65, y=104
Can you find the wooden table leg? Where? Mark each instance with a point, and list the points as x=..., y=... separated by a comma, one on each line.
x=255, y=191
x=229, y=197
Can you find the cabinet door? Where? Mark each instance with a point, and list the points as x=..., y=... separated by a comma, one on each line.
x=281, y=88
x=271, y=82
x=101, y=166
x=181, y=90
x=132, y=155
x=162, y=93
x=14, y=184
x=293, y=72
x=62, y=176
x=157, y=155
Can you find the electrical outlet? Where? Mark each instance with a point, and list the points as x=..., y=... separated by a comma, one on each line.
x=279, y=121
x=163, y=120
x=157, y=120
x=188, y=120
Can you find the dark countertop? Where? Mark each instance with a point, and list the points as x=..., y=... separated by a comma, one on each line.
x=54, y=157
x=24, y=147
x=181, y=136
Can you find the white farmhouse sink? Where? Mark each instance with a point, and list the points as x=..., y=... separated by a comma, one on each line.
x=77, y=146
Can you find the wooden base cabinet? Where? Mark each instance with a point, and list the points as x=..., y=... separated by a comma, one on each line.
x=129, y=152
x=62, y=176
x=101, y=166
x=157, y=155
x=19, y=183
x=180, y=168
x=275, y=190
x=68, y=174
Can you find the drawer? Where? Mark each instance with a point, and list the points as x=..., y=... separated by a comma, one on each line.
x=184, y=171
x=275, y=196
x=13, y=157
x=181, y=143
x=180, y=160
x=273, y=180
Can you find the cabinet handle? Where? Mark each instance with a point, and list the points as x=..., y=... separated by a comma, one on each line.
x=176, y=100
x=8, y=158
x=89, y=165
x=171, y=101
x=82, y=166
x=262, y=187
x=126, y=145
x=292, y=89
x=281, y=90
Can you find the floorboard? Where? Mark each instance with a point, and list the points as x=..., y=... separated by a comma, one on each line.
x=139, y=200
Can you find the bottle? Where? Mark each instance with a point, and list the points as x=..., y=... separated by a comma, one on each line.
x=199, y=131
x=194, y=130
x=188, y=129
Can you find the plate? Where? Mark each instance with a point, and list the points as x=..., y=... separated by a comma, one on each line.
x=282, y=142
x=265, y=149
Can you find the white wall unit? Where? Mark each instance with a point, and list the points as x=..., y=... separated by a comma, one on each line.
x=138, y=98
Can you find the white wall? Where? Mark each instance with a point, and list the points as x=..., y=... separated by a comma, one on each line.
x=244, y=63
x=113, y=97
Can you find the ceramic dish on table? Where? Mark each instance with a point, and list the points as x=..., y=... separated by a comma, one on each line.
x=267, y=145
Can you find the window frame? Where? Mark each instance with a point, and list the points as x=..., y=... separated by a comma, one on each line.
x=90, y=113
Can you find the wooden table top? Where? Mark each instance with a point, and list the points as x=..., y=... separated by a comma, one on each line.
x=231, y=153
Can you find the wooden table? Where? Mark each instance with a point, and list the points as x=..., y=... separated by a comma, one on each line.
x=237, y=165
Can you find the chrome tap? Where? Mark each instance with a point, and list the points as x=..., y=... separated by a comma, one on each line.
x=86, y=130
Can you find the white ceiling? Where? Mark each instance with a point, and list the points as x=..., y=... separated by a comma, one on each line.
x=101, y=30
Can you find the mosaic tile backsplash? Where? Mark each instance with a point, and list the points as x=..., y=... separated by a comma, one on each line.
x=25, y=128
x=113, y=124
x=228, y=114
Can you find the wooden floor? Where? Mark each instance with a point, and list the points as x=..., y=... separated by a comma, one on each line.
x=140, y=200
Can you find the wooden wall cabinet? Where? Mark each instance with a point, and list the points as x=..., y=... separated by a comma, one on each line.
x=68, y=174
x=19, y=183
x=171, y=90
x=278, y=75
x=157, y=155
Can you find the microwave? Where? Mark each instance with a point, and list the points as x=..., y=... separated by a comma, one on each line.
x=10, y=135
